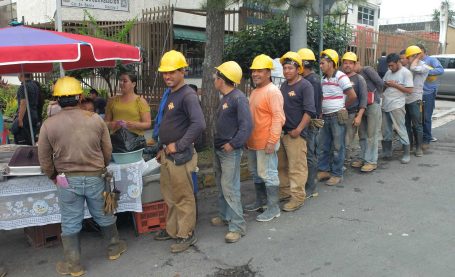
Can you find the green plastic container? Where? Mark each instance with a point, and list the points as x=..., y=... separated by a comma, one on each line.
x=128, y=157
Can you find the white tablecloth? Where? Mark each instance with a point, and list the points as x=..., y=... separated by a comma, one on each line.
x=33, y=201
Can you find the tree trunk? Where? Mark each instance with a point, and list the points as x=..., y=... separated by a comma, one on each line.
x=213, y=57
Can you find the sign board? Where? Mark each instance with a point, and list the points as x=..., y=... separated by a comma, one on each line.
x=4, y=2
x=113, y=5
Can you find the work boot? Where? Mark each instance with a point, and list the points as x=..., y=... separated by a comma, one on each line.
x=333, y=181
x=116, y=246
x=284, y=197
x=162, y=235
x=3, y=271
x=183, y=244
x=232, y=237
x=425, y=146
x=387, y=149
x=261, y=198
x=218, y=221
x=72, y=255
x=406, y=154
x=273, y=209
x=357, y=164
x=368, y=167
x=292, y=205
x=323, y=175
x=418, y=143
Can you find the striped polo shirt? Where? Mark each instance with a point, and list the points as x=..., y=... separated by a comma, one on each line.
x=333, y=89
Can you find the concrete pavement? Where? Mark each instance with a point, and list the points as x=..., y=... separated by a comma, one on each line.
x=396, y=221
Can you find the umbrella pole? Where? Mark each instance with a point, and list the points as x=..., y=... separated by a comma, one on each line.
x=28, y=109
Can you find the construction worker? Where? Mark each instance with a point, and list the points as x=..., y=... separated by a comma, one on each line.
x=398, y=83
x=413, y=105
x=76, y=143
x=335, y=86
x=357, y=109
x=233, y=128
x=308, y=62
x=430, y=90
x=182, y=123
x=299, y=107
x=370, y=127
x=266, y=105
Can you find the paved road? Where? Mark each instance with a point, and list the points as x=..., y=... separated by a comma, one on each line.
x=396, y=221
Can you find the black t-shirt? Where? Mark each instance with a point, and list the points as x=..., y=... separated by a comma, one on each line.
x=33, y=97
x=315, y=80
x=100, y=105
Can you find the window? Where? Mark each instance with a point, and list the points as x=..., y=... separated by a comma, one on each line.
x=365, y=16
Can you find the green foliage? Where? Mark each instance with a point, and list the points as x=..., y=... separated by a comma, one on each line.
x=8, y=100
x=271, y=39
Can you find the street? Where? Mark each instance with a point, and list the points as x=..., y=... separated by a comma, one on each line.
x=396, y=221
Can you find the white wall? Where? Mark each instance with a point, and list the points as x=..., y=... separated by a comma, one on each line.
x=372, y=4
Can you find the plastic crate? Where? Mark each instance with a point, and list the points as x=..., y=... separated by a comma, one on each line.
x=152, y=218
x=43, y=236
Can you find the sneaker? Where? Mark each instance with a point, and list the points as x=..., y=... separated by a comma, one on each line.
x=333, y=181
x=433, y=139
x=323, y=175
x=162, y=235
x=183, y=244
x=368, y=167
x=292, y=205
x=232, y=237
x=218, y=221
x=357, y=164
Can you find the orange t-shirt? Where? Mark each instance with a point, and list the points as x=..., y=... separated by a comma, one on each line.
x=266, y=105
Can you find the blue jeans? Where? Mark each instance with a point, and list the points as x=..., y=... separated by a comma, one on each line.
x=264, y=167
x=331, y=151
x=395, y=119
x=227, y=178
x=312, y=159
x=369, y=134
x=428, y=107
x=71, y=202
x=413, y=121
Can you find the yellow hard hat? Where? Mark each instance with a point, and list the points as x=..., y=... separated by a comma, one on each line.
x=171, y=61
x=67, y=86
x=262, y=62
x=350, y=56
x=231, y=70
x=294, y=57
x=332, y=54
x=412, y=50
x=306, y=54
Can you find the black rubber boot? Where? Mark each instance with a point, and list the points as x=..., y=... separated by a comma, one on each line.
x=72, y=253
x=116, y=246
x=406, y=154
x=261, y=198
x=387, y=149
x=418, y=143
x=273, y=209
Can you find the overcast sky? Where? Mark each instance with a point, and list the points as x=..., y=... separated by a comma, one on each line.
x=409, y=8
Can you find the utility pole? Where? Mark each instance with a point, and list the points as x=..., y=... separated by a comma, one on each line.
x=58, y=26
x=443, y=22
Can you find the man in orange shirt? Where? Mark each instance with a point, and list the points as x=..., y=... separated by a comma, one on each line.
x=266, y=105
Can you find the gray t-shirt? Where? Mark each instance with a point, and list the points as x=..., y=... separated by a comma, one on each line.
x=420, y=73
x=394, y=98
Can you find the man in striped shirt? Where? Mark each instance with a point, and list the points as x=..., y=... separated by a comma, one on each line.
x=336, y=86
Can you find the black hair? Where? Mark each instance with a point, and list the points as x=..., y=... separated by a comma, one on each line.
x=68, y=101
x=225, y=79
x=87, y=101
x=308, y=64
x=420, y=45
x=133, y=79
x=392, y=58
x=383, y=53
x=94, y=91
x=193, y=86
x=291, y=61
x=403, y=52
x=27, y=75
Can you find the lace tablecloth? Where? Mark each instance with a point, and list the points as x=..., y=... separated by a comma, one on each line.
x=33, y=201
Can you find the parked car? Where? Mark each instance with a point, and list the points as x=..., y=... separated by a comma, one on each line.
x=447, y=80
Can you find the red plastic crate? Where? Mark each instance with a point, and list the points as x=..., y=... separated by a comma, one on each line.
x=47, y=235
x=152, y=218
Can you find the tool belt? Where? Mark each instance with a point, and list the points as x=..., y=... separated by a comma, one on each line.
x=97, y=173
x=342, y=116
x=316, y=123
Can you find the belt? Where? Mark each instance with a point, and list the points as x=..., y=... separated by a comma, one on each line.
x=330, y=114
x=353, y=111
x=97, y=173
